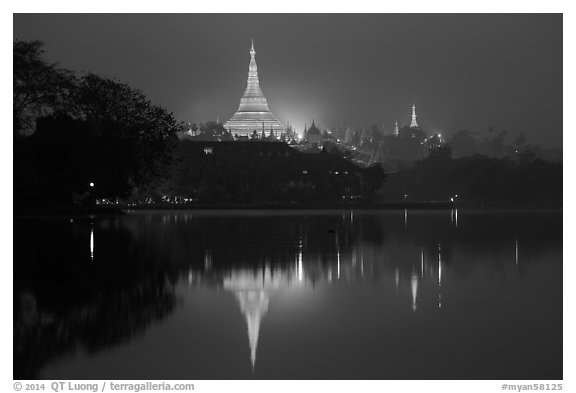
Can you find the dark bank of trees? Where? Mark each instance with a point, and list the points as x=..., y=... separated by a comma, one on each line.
x=79, y=137
x=466, y=143
x=399, y=152
x=478, y=180
x=262, y=172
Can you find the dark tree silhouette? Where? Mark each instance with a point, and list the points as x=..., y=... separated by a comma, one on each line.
x=463, y=143
x=116, y=110
x=39, y=88
x=82, y=130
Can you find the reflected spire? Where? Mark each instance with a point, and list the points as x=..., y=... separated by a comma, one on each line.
x=92, y=241
x=406, y=218
x=439, y=266
x=207, y=259
x=338, y=256
x=253, y=304
x=414, y=285
x=456, y=217
x=439, y=276
x=253, y=293
x=422, y=261
x=300, y=268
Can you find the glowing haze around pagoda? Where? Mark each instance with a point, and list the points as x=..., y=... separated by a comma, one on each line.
x=253, y=113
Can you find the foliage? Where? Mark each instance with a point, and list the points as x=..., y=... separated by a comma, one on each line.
x=39, y=88
x=478, y=180
x=113, y=109
x=83, y=130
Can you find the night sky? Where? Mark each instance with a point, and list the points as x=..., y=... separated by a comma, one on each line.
x=462, y=71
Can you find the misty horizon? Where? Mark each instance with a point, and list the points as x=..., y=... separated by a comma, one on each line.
x=462, y=71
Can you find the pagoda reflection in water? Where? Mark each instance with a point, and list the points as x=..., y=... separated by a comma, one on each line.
x=254, y=287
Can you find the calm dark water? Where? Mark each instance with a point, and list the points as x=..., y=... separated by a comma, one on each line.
x=289, y=295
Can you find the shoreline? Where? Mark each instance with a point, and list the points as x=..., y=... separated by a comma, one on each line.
x=119, y=210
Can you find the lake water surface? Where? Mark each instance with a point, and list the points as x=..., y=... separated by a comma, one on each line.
x=289, y=295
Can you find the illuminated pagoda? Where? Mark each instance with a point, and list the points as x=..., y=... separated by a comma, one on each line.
x=413, y=122
x=253, y=112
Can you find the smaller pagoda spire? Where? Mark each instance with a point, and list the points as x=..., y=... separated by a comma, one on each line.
x=396, y=129
x=413, y=122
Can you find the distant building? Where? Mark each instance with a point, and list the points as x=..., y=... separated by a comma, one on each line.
x=313, y=135
x=253, y=112
x=264, y=172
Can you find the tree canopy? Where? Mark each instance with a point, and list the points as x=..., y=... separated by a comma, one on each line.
x=39, y=88
x=82, y=129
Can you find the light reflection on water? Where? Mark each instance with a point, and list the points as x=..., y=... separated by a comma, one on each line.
x=91, y=243
x=321, y=295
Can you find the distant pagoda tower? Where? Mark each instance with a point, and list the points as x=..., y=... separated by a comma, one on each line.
x=253, y=112
x=413, y=122
x=396, y=129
